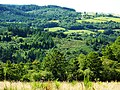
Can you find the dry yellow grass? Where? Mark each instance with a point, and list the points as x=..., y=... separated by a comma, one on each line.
x=107, y=86
x=5, y=85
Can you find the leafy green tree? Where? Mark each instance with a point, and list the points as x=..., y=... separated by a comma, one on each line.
x=95, y=64
x=74, y=70
x=108, y=53
x=56, y=63
x=110, y=71
x=116, y=49
x=1, y=71
x=19, y=56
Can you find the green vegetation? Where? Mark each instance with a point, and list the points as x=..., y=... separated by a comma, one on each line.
x=102, y=31
x=108, y=19
x=91, y=20
x=54, y=21
x=100, y=20
x=79, y=31
x=47, y=43
x=54, y=29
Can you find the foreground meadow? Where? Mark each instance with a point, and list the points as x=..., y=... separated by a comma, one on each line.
x=5, y=85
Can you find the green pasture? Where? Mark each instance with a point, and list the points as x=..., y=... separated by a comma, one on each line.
x=78, y=31
x=108, y=19
x=54, y=29
x=101, y=30
x=100, y=19
x=54, y=21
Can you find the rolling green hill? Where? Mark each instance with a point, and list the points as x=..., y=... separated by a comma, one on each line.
x=54, y=16
x=50, y=43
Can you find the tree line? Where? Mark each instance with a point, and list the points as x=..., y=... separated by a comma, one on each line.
x=35, y=56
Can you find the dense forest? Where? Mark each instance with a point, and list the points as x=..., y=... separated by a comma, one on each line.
x=58, y=43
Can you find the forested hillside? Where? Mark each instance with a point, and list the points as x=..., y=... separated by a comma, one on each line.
x=58, y=43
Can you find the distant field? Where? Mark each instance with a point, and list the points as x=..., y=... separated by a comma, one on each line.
x=101, y=31
x=90, y=20
x=116, y=30
x=72, y=44
x=54, y=29
x=78, y=31
x=100, y=19
x=54, y=21
x=108, y=19
x=50, y=85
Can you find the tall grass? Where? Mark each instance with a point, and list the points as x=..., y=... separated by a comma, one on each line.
x=87, y=83
x=56, y=85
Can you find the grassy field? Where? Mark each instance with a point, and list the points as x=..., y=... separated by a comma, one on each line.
x=91, y=20
x=50, y=85
x=108, y=19
x=54, y=29
x=54, y=21
x=117, y=30
x=78, y=31
x=100, y=19
x=101, y=30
